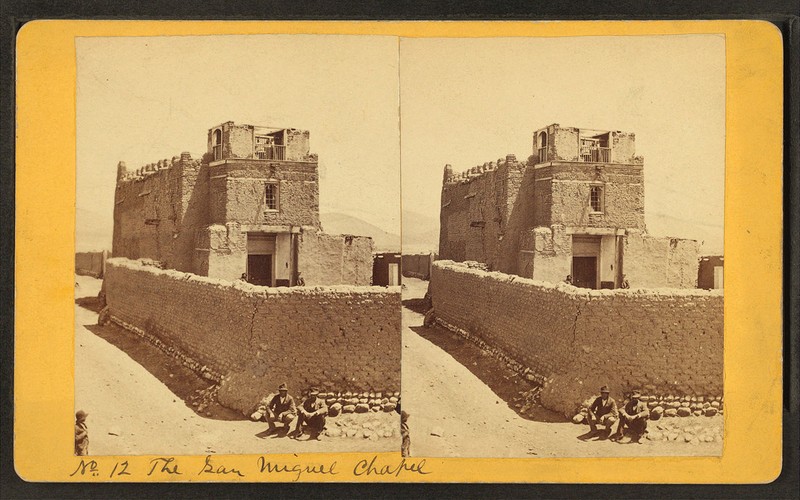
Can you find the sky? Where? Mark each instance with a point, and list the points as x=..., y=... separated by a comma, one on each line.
x=141, y=99
x=470, y=101
x=386, y=115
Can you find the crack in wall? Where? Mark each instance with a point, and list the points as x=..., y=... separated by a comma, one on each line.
x=575, y=326
x=252, y=324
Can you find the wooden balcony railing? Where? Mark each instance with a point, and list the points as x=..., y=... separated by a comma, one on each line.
x=271, y=152
x=594, y=154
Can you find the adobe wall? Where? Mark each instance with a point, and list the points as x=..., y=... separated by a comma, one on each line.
x=468, y=218
x=221, y=251
x=238, y=141
x=418, y=265
x=546, y=254
x=253, y=338
x=563, y=144
x=237, y=193
x=664, y=342
x=334, y=259
x=562, y=195
x=623, y=147
x=482, y=216
x=488, y=217
x=90, y=263
x=653, y=262
x=297, y=143
x=157, y=211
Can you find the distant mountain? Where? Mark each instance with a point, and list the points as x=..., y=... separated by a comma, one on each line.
x=420, y=232
x=337, y=223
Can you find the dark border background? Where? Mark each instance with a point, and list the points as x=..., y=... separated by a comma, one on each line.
x=783, y=13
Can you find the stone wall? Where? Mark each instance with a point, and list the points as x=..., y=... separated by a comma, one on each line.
x=664, y=342
x=653, y=262
x=90, y=263
x=253, y=338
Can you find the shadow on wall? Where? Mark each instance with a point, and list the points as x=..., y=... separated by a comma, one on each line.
x=512, y=388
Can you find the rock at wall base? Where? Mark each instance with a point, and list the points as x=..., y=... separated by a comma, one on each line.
x=656, y=413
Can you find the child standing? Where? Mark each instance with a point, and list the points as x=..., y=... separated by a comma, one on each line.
x=81, y=433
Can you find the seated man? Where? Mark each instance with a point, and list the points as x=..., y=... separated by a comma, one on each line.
x=603, y=411
x=633, y=415
x=312, y=415
x=280, y=408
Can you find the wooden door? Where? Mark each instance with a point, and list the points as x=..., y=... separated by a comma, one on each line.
x=584, y=272
x=259, y=269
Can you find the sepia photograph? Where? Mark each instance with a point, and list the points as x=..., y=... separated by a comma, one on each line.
x=237, y=245
x=563, y=245
x=521, y=252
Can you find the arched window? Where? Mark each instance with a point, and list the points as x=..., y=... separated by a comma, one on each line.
x=542, y=146
x=217, y=144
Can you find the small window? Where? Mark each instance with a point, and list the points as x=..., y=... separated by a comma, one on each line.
x=542, y=147
x=271, y=197
x=596, y=198
x=217, y=144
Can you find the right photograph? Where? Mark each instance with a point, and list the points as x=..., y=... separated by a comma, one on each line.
x=562, y=246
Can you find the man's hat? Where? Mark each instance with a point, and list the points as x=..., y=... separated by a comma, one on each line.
x=636, y=394
x=81, y=414
x=313, y=392
x=283, y=387
x=604, y=389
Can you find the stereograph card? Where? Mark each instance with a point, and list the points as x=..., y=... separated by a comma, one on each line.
x=407, y=252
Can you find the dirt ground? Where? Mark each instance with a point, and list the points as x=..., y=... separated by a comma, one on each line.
x=463, y=403
x=140, y=401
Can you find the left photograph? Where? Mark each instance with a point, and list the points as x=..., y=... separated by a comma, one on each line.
x=237, y=267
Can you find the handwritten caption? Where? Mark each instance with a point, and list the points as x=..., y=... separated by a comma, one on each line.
x=134, y=469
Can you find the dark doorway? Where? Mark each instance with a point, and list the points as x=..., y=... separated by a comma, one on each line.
x=584, y=272
x=259, y=269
